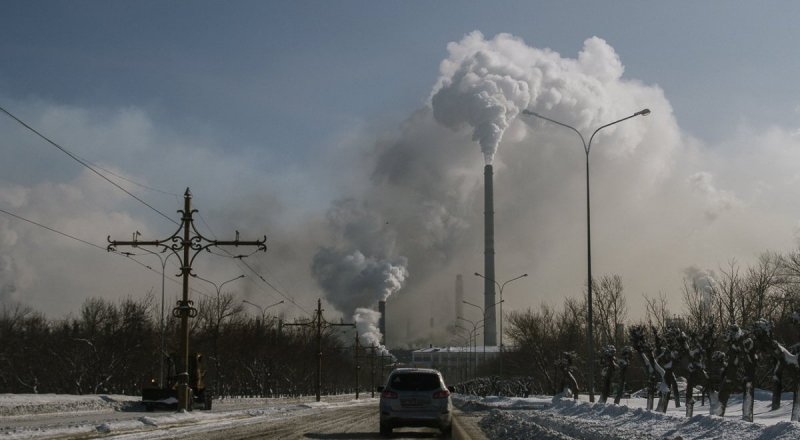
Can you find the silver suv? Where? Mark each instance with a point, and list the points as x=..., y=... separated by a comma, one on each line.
x=415, y=397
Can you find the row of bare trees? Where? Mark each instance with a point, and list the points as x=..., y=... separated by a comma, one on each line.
x=115, y=348
x=768, y=290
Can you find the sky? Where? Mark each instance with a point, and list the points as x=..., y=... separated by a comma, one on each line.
x=351, y=135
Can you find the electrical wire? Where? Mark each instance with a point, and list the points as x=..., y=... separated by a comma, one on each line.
x=127, y=255
x=50, y=229
x=84, y=163
x=90, y=166
x=258, y=275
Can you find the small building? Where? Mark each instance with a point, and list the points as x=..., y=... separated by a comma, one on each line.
x=455, y=363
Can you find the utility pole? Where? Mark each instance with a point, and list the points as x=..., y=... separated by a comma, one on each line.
x=370, y=353
x=186, y=247
x=319, y=322
x=358, y=367
x=372, y=369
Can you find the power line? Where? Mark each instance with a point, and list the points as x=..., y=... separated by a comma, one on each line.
x=141, y=185
x=84, y=163
x=90, y=166
x=128, y=255
x=241, y=260
x=288, y=298
x=50, y=229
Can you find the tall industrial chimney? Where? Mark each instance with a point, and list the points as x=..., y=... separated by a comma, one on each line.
x=459, y=296
x=490, y=322
x=382, y=321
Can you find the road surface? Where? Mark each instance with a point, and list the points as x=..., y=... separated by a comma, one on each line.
x=352, y=422
x=338, y=418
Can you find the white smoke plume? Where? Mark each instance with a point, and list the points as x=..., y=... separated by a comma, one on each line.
x=485, y=84
x=717, y=201
x=702, y=281
x=352, y=280
x=409, y=200
x=367, y=327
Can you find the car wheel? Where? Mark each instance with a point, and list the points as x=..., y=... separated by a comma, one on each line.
x=447, y=431
x=386, y=430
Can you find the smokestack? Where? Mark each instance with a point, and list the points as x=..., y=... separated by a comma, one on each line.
x=382, y=321
x=489, y=324
x=459, y=295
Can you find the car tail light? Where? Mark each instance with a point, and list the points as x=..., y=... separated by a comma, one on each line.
x=388, y=394
x=441, y=394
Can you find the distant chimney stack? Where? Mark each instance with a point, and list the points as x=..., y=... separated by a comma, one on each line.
x=382, y=321
x=459, y=296
x=490, y=320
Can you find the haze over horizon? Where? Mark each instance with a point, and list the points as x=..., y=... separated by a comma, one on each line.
x=357, y=147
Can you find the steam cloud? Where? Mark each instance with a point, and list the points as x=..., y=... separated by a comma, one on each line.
x=409, y=202
x=352, y=281
x=367, y=327
x=485, y=84
x=486, y=91
x=703, y=281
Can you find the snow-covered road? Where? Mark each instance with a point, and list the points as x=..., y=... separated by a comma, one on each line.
x=122, y=417
x=28, y=417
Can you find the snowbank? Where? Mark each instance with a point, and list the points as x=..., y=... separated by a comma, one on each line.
x=22, y=404
x=547, y=418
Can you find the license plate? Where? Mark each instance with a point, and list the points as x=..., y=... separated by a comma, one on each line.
x=413, y=402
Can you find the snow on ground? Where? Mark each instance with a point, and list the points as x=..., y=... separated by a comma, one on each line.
x=506, y=418
x=30, y=416
x=26, y=404
x=547, y=418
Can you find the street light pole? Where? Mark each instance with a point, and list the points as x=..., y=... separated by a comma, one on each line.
x=468, y=345
x=163, y=261
x=483, y=313
x=587, y=148
x=500, y=287
x=474, y=337
x=217, y=323
x=218, y=288
x=263, y=309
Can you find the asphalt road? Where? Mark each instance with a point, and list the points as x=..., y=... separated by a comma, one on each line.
x=357, y=422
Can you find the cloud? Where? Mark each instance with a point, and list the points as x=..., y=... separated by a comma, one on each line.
x=717, y=201
x=401, y=211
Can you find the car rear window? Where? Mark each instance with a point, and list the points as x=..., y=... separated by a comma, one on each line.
x=415, y=382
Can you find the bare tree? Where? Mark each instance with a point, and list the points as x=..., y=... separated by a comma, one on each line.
x=760, y=288
x=790, y=286
x=693, y=301
x=610, y=307
x=535, y=333
x=212, y=314
x=657, y=311
x=729, y=298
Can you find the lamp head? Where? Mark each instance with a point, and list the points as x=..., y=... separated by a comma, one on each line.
x=644, y=112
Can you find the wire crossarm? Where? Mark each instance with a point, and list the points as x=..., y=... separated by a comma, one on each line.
x=319, y=322
x=185, y=243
